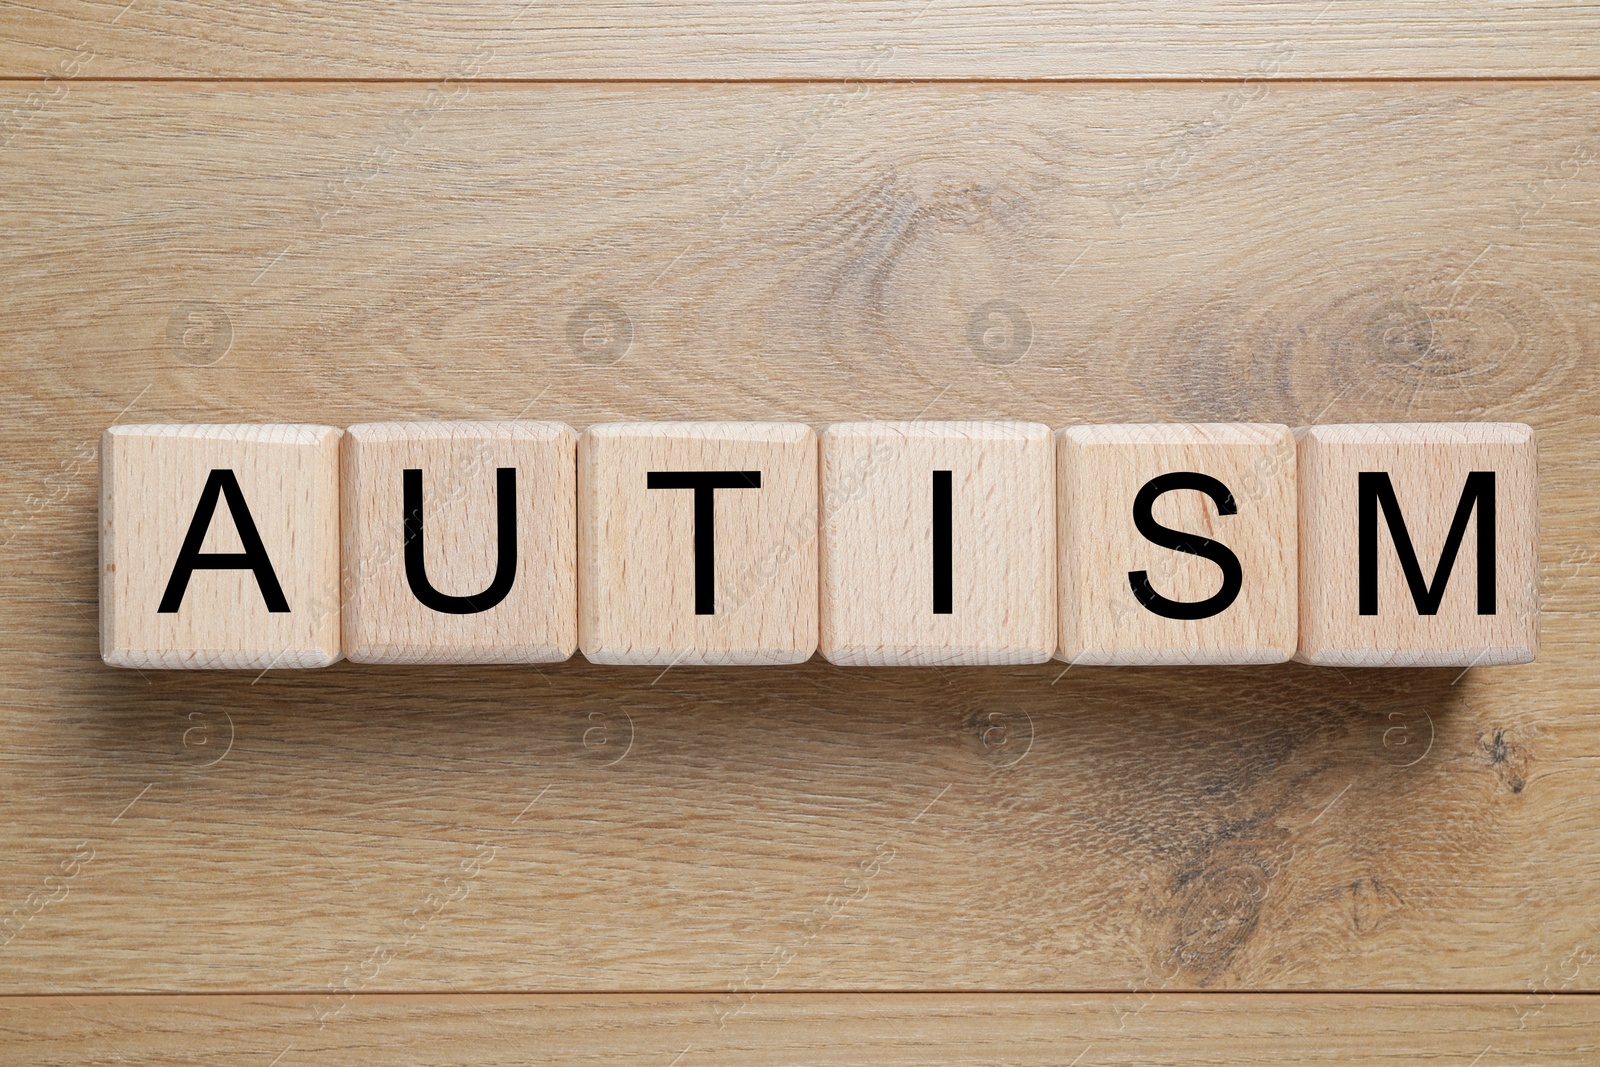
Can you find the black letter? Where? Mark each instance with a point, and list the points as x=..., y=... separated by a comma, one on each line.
x=1194, y=544
x=942, y=580
x=1375, y=490
x=253, y=558
x=705, y=526
x=505, y=567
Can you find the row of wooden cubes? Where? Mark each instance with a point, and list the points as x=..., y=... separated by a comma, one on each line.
x=877, y=543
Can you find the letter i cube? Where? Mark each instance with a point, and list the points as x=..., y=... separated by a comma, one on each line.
x=938, y=543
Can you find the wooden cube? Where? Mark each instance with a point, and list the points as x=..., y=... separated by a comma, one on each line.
x=1419, y=545
x=938, y=543
x=460, y=542
x=219, y=546
x=697, y=543
x=1178, y=543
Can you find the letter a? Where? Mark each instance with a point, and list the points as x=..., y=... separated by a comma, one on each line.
x=254, y=557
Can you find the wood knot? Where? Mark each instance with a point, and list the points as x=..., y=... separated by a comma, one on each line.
x=1217, y=914
x=1454, y=344
x=1372, y=902
x=1504, y=755
x=1402, y=347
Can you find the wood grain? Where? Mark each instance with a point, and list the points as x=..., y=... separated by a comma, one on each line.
x=641, y=39
x=1170, y=1030
x=811, y=254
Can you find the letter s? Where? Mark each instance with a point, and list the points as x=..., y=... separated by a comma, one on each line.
x=1194, y=544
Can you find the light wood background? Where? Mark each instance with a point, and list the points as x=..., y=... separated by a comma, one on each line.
x=1351, y=211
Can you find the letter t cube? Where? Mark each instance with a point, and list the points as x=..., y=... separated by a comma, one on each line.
x=697, y=543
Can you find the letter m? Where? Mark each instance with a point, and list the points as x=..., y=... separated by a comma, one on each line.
x=1375, y=491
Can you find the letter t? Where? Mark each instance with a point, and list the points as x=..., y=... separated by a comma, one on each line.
x=704, y=484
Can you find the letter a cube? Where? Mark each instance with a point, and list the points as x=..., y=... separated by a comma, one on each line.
x=219, y=546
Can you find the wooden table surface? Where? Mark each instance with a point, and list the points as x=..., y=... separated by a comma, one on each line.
x=340, y=211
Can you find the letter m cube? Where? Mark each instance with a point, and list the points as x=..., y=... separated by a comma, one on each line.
x=1419, y=545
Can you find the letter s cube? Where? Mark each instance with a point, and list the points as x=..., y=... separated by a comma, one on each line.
x=1177, y=543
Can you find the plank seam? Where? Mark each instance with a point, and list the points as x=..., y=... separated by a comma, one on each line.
x=1554, y=79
